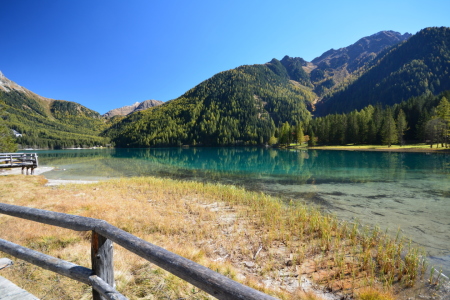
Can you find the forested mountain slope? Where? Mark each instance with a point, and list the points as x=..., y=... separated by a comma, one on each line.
x=419, y=65
x=240, y=106
x=247, y=104
x=48, y=123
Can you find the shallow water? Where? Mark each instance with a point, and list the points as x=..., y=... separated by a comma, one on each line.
x=391, y=190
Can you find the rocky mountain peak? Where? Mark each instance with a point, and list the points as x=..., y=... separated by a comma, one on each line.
x=356, y=54
x=137, y=106
x=335, y=66
x=7, y=85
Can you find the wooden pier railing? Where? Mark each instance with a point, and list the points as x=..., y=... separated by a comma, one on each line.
x=19, y=160
x=101, y=276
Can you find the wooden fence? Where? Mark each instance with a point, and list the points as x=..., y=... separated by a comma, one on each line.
x=19, y=160
x=101, y=276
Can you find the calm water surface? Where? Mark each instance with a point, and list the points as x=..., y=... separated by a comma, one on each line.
x=391, y=190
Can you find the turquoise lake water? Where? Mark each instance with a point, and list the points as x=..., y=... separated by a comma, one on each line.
x=391, y=190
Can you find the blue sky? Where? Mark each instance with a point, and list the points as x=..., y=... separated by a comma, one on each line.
x=106, y=54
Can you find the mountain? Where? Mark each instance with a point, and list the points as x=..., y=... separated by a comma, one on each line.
x=241, y=106
x=335, y=67
x=49, y=123
x=126, y=110
x=7, y=86
x=246, y=105
x=250, y=104
x=419, y=65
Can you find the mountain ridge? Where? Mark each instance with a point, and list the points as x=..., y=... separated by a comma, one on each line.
x=300, y=70
x=419, y=65
x=334, y=67
x=48, y=123
x=128, y=109
x=8, y=85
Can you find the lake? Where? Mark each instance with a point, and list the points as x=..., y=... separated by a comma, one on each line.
x=410, y=191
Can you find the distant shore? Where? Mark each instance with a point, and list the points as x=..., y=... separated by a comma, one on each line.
x=392, y=149
x=395, y=148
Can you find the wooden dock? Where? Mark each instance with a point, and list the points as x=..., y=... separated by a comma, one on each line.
x=19, y=160
x=10, y=291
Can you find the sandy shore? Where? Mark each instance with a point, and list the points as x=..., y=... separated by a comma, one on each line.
x=40, y=171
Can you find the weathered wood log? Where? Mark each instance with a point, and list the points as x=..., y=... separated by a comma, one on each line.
x=102, y=261
x=62, y=267
x=105, y=289
x=73, y=222
x=48, y=262
x=202, y=277
x=211, y=282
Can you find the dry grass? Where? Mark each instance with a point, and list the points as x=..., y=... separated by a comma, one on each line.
x=247, y=236
x=373, y=294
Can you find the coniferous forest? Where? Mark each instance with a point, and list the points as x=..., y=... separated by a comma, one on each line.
x=236, y=107
x=419, y=119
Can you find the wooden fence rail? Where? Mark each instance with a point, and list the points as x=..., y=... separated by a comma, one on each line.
x=19, y=160
x=103, y=234
x=62, y=267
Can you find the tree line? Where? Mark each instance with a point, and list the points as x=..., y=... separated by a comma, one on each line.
x=423, y=118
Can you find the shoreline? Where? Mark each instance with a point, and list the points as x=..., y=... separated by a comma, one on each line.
x=373, y=149
x=293, y=267
x=50, y=182
x=54, y=182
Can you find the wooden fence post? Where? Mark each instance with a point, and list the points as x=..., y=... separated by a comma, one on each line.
x=102, y=261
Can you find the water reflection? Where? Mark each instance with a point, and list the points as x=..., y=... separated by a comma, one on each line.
x=410, y=190
x=300, y=166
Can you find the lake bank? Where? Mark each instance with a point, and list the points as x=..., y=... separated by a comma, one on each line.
x=277, y=248
x=394, y=148
x=385, y=189
x=388, y=189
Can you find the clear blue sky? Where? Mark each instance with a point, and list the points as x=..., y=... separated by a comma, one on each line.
x=106, y=54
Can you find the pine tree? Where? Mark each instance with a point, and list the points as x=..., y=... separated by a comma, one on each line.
x=312, y=139
x=432, y=132
x=402, y=126
x=443, y=113
x=389, y=129
x=299, y=134
x=285, y=134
